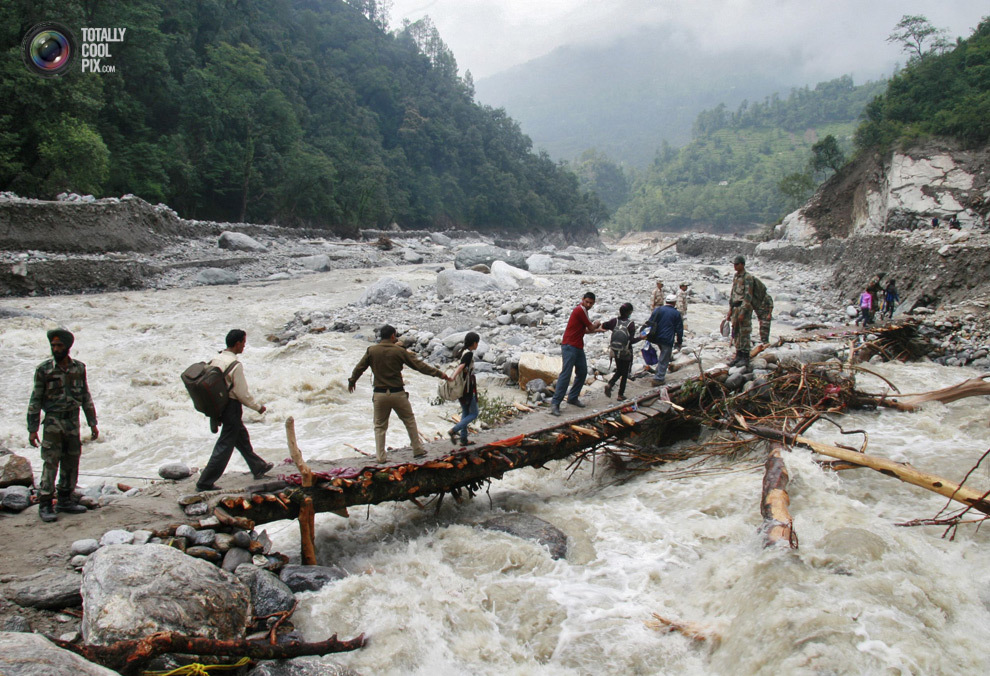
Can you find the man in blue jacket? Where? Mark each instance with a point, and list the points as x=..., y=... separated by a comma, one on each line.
x=667, y=333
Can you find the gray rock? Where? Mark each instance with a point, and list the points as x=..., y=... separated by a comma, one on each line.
x=85, y=547
x=205, y=553
x=531, y=527
x=531, y=318
x=268, y=593
x=216, y=277
x=204, y=538
x=16, y=498
x=234, y=557
x=486, y=254
x=412, y=257
x=301, y=667
x=175, y=471
x=223, y=542
x=197, y=509
x=504, y=320
x=116, y=537
x=141, y=537
x=318, y=263
x=540, y=264
x=242, y=539
x=185, y=531
x=51, y=589
x=25, y=654
x=16, y=623
x=736, y=379
x=384, y=290
x=441, y=239
x=78, y=561
x=131, y=592
x=310, y=578
x=454, y=283
x=237, y=241
x=536, y=385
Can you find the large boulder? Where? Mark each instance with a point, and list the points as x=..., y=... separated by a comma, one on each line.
x=533, y=528
x=486, y=254
x=317, y=263
x=238, y=241
x=533, y=365
x=14, y=470
x=539, y=263
x=130, y=592
x=216, y=277
x=509, y=277
x=451, y=283
x=384, y=290
x=25, y=654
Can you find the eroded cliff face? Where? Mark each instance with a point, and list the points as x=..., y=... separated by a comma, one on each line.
x=902, y=191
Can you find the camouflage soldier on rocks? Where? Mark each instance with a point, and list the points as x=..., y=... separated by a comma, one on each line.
x=60, y=390
x=763, y=308
x=741, y=311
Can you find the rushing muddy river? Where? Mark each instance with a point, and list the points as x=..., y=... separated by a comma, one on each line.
x=438, y=596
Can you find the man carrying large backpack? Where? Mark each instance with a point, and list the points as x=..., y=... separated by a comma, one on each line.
x=233, y=434
x=620, y=346
x=667, y=332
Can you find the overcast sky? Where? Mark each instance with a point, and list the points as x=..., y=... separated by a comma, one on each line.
x=837, y=36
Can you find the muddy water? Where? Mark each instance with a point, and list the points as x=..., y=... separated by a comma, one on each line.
x=438, y=596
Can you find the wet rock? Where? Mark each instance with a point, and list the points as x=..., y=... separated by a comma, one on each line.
x=268, y=593
x=51, y=589
x=530, y=527
x=385, y=290
x=25, y=654
x=130, y=592
x=237, y=241
x=14, y=470
x=216, y=277
x=175, y=471
x=310, y=578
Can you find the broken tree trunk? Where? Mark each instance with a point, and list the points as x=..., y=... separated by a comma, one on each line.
x=905, y=473
x=973, y=387
x=307, y=514
x=778, y=526
x=128, y=657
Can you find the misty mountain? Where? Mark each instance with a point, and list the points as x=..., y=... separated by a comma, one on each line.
x=627, y=97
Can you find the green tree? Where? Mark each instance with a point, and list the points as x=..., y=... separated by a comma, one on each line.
x=797, y=187
x=73, y=157
x=918, y=37
x=826, y=155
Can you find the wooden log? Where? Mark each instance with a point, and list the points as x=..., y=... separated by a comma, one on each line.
x=307, y=512
x=129, y=657
x=778, y=526
x=973, y=387
x=906, y=473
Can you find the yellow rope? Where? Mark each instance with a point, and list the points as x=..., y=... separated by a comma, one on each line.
x=197, y=669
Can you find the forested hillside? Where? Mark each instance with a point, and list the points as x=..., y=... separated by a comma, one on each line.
x=943, y=91
x=300, y=112
x=729, y=177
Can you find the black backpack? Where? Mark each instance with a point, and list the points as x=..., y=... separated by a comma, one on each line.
x=207, y=387
x=621, y=341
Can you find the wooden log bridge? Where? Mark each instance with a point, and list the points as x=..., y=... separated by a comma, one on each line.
x=466, y=468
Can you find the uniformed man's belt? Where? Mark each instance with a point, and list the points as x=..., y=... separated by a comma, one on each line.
x=389, y=390
x=735, y=303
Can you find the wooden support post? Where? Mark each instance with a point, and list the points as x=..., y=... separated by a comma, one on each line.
x=307, y=513
x=778, y=526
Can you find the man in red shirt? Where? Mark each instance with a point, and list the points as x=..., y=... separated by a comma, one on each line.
x=572, y=353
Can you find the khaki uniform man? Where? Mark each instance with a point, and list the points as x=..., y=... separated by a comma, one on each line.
x=60, y=390
x=741, y=311
x=386, y=359
x=656, y=300
x=682, y=304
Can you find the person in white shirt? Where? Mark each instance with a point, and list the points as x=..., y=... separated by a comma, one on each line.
x=233, y=434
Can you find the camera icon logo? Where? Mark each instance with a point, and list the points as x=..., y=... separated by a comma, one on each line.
x=48, y=49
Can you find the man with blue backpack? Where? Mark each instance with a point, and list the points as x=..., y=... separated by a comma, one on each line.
x=667, y=333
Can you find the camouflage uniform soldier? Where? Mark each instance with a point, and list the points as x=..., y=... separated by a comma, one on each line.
x=763, y=308
x=741, y=311
x=60, y=389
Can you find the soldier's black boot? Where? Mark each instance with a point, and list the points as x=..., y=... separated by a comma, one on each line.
x=45, y=511
x=734, y=360
x=67, y=505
